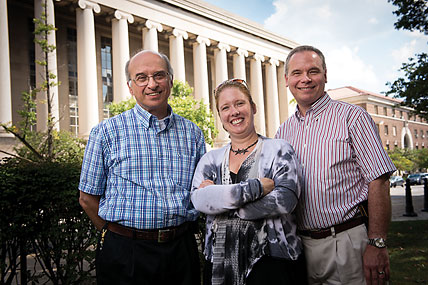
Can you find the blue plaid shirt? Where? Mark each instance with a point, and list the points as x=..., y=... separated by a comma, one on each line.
x=142, y=169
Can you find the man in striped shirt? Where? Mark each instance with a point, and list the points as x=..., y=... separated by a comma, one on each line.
x=344, y=165
x=135, y=184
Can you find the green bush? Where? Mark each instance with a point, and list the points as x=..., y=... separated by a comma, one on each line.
x=41, y=216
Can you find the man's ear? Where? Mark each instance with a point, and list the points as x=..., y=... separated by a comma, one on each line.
x=254, y=107
x=129, y=87
x=286, y=80
x=325, y=75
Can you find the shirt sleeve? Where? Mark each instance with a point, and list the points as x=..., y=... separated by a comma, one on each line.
x=216, y=199
x=93, y=175
x=370, y=155
x=287, y=175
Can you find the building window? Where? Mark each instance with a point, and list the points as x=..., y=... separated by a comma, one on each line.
x=376, y=109
x=107, y=74
x=72, y=80
x=385, y=111
x=386, y=130
x=416, y=133
x=401, y=114
x=422, y=134
x=394, y=131
x=378, y=128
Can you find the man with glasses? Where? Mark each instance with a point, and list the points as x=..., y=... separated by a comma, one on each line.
x=135, y=184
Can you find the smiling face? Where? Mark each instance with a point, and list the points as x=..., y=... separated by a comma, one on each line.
x=306, y=78
x=154, y=97
x=236, y=112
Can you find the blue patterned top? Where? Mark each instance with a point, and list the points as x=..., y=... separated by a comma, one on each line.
x=143, y=168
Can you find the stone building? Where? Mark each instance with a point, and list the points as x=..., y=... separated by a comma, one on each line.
x=95, y=38
x=397, y=127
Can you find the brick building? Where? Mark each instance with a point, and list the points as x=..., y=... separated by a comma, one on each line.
x=397, y=127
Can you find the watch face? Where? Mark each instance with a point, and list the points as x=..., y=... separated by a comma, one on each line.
x=378, y=242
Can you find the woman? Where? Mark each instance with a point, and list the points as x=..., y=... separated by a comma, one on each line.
x=249, y=190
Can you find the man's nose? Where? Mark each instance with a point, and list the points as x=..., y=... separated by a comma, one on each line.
x=306, y=77
x=152, y=82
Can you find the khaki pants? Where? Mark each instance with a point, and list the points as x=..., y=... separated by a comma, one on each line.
x=336, y=260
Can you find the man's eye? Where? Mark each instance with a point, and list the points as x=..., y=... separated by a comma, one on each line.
x=141, y=78
x=159, y=75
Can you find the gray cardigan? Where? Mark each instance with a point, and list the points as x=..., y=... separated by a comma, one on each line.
x=278, y=161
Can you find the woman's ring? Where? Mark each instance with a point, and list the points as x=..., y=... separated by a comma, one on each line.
x=381, y=272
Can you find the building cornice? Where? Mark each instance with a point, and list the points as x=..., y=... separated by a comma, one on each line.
x=202, y=19
x=224, y=17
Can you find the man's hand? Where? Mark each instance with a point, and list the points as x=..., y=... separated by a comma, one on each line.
x=267, y=184
x=206, y=183
x=376, y=265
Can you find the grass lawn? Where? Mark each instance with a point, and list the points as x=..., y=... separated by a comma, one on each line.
x=408, y=251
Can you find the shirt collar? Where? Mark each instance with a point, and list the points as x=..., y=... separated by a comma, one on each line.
x=148, y=119
x=316, y=108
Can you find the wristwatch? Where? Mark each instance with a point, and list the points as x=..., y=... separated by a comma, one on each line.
x=377, y=242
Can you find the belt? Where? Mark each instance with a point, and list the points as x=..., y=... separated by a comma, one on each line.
x=333, y=230
x=159, y=235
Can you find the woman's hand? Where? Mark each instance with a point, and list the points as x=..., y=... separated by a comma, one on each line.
x=206, y=183
x=267, y=184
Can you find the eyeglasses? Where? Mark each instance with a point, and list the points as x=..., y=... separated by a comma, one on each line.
x=230, y=82
x=142, y=80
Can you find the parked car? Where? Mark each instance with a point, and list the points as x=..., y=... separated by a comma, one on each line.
x=424, y=176
x=416, y=178
x=396, y=181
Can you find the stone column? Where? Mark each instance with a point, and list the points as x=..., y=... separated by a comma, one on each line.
x=150, y=35
x=120, y=41
x=257, y=92
x=176, y=54
x=41, y=76
x=87, y=67
x=200, y=68
x=5, y=88
x=239, y=63
x=272, y=105
x=282, y=94
x=220, y=61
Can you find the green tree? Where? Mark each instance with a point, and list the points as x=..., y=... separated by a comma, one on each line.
x=413, y=16
x=421, y=158
x=183, y=104
x=402, y=159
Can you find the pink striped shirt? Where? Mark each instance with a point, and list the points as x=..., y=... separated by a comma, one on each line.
x=340, y=150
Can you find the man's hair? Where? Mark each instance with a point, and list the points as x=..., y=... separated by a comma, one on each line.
x=302, y=49
x=163, y=56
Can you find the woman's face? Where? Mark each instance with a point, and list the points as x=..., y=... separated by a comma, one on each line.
x=236, y=112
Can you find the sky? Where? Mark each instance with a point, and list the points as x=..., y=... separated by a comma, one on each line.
x=358, y=38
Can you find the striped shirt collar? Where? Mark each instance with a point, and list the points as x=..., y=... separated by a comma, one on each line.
x=316, y=108
x=148, y=119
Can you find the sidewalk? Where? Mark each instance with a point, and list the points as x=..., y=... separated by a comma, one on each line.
x=398, y=200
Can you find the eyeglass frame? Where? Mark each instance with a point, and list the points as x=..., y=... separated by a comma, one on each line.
x=152, y=76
